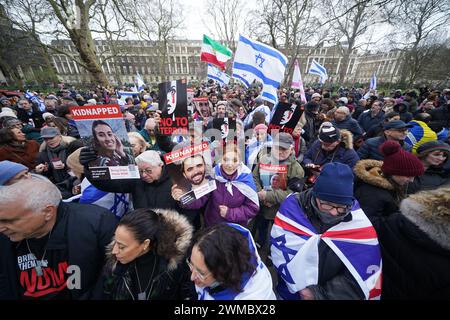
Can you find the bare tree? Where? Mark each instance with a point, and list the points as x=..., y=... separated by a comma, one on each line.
x=109, y=25
x=420, y=23
x=157, y=21
x=349, y=29
x=289, y=26
x=27, y=16
x=225, y=17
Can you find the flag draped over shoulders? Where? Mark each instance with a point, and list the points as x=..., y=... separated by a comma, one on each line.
x=295, y=248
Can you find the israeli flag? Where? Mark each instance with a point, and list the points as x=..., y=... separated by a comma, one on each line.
x=140, y=82
x=254, y=60
x=319, y=70
x=217, y=75
x=373, y=82
x=125, y=94
x=30, y=96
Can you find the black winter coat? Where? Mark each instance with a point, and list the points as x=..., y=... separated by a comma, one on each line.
x=156, y=195
x=85, y=230
x=415, y=252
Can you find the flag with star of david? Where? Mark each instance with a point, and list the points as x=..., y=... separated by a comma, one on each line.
x=295, y=249
x=255, y=60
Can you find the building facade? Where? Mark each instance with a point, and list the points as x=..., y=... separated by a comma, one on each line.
x=122, y=60
x=183, y=61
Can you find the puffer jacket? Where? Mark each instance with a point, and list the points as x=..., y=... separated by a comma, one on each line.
x=170, y=279
x=343, y=153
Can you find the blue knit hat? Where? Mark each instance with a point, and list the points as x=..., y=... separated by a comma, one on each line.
x=335, y=184
x=9, y=169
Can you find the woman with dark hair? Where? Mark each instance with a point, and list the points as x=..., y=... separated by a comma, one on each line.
x=434, y=155
x=145, y=259
x=109, y=148
x=15, y=147
x=225, y=265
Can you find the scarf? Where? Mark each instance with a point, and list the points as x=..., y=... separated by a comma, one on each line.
x=257, y=286
x=295, y=249
x=243, y=182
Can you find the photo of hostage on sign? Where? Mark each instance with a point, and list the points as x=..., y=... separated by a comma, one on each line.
x=103, y=129
x=173, y=104
x=273, y=176
x=190, y=168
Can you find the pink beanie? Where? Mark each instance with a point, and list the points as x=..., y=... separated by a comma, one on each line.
x=260, y=127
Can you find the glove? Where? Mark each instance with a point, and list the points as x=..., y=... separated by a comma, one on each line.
x=296, y=184
x=87, y=155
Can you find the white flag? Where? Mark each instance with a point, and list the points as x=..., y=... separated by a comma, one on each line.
x=297, y=82
x=255, y=60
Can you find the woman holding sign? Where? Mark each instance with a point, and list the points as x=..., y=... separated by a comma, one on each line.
x=109, y=148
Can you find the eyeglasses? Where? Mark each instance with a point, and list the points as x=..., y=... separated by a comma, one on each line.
x=200, y=274
x=147, y=171
x=340, y=209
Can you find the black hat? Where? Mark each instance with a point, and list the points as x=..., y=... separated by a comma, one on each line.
x=396, y=124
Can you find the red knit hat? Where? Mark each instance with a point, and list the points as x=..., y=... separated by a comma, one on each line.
x=399, y=162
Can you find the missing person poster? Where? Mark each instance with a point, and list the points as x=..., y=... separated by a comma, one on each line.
x=227, y=127
x=191, y=170
x=103, y=128
x=173, y=104
x=286, y=117
x=273, y=176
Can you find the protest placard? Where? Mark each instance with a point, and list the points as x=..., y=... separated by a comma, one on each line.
x=285, y=117
x=273, y=176
x=103, y=128
x=173, y=104
x=190, y=169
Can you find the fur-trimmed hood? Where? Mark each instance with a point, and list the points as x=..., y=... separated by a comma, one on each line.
x=430, y=212
x=174, y=240
x=369, y=171
x=347, y=138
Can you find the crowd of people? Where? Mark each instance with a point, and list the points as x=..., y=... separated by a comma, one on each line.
x=353, y=204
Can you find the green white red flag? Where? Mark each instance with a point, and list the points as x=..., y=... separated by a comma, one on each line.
x=215, y=53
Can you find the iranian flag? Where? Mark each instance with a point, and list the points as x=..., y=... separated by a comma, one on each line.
x=214, y=53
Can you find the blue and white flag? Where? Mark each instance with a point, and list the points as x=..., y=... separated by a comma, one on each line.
x=319, y=70
x=373, y=82
x=30, y=96
x=117, y=203
x=140, y=82
x=127, y=94
x=295, y=250
x=254, y=60
x=217, y=75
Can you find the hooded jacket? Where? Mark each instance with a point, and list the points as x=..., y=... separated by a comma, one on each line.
x=415, y=246
x=343, y=153
x=374, y=192
x=370, y=149
x=170, y=279
x=351, y=125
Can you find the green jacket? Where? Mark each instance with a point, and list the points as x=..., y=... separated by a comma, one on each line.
x=274, y=198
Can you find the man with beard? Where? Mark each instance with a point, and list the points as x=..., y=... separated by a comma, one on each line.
x=194, y=169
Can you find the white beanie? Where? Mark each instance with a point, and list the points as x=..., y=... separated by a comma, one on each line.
x=7, y=112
